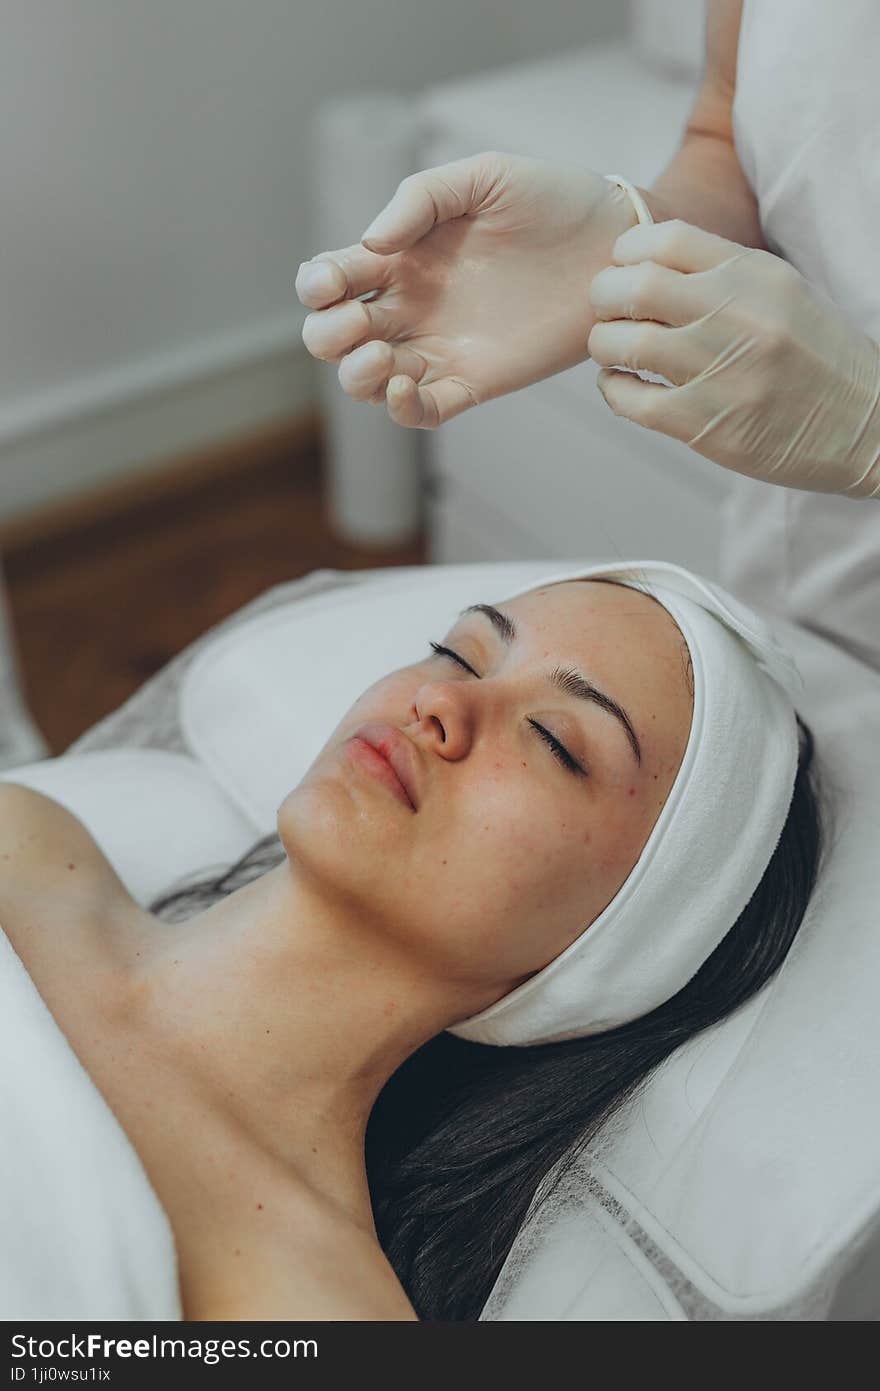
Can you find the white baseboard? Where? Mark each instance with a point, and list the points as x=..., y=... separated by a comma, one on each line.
x=127, y=420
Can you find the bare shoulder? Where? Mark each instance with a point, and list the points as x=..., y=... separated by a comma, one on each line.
x=314, y=1264
x=43, y=847
x=351, y=1277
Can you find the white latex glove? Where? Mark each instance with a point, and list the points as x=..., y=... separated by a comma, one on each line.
x=767, y=375
x=480, y=271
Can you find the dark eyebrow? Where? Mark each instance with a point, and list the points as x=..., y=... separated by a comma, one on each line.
x=565, y=679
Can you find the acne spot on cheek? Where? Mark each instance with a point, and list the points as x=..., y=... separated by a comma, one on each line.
x=632, y=792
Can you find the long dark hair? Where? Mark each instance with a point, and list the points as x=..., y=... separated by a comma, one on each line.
x=462, y=1134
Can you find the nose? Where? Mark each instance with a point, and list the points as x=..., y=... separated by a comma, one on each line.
x=443, y=719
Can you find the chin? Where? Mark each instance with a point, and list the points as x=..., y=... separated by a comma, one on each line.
x=317, y=820
x=299, y=808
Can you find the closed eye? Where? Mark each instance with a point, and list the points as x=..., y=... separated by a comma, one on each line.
x=559, y=751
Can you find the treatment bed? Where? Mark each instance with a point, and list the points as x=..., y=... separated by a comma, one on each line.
x=743, y=1183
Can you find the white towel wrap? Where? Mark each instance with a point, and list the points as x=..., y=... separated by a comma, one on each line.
x=712, y=841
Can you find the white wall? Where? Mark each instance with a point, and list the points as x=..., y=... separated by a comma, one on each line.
x=154, y=164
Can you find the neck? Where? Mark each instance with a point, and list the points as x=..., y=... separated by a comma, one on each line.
x=289, y=1015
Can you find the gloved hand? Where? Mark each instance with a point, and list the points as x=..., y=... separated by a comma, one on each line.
x=767, y=376
x=479, y=271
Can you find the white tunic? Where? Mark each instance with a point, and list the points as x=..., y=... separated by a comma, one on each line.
x=806, y=123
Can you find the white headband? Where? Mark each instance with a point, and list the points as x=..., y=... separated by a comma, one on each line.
x=711, y=843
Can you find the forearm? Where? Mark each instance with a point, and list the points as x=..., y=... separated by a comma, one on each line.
x=705, y=184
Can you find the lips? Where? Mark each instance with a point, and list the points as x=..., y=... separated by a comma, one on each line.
x=397, y=750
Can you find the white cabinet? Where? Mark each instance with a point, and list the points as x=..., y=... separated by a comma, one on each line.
x=549, y=471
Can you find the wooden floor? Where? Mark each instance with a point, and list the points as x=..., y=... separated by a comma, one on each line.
x=104, y=595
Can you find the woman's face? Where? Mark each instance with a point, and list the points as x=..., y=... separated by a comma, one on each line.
x=509, y=854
